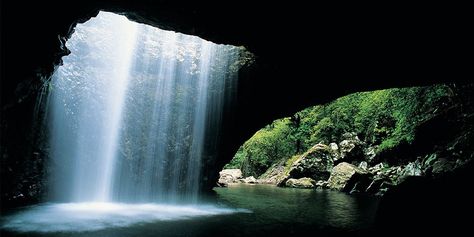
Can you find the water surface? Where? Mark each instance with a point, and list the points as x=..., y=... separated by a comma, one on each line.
x=240, y=210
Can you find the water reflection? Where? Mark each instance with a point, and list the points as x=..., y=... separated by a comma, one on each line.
x=341, y=209
x=273, y=212
x=316, y=208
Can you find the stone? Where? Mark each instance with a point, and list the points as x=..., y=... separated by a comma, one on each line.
x=345, y=176
x=369, y=153
x=363, y=165
x=249, y=180
x=274, y=175
x=322, y=184
x=430, y=160
x=412, y=169
x=227, y=176
x=316, y=163
x=333, y=146
x=351, y=148
x=442, y=166
x=301, y=183
x=346, y=147
x=376, y=168
x=334, y=151
x=385, y=176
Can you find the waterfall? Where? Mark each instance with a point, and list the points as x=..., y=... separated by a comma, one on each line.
x=133, y=112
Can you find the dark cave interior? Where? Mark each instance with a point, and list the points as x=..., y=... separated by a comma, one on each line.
x=306, y=54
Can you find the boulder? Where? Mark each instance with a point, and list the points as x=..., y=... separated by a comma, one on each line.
x=351, y=148
x=391, y=174
x=412, y=169
x=377, y=168
x=369, y=153
x=345, y=176
x=249, y=180
x=227, y=176
x=363, y=165
x=430, y=160
x=385, y=177
x=301, y=183
x=274, y=175
x=322, y=184
x=442, y=166
x=316, y=163
x=333, y=146
x=334, y=151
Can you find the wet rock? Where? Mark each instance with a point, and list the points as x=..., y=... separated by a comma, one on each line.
x=442, y=166
x=412, y=169
x=363, y=165
x=351, y=148
x=323, y=184
x=274, y=175
x=369, y=153
x=334, y=151
x=316, y=163
x=249, y=180
x=227, y=176
x=392, y=173
x=427, y=163
x=301, y=183
x=333, y=146
x=345, y=176
x=377, y=168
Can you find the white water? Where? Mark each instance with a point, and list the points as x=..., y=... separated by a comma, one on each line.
x=88, y=96
x=79, y=217
x=133, y=111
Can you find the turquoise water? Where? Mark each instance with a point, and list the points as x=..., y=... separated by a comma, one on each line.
x=240, y=210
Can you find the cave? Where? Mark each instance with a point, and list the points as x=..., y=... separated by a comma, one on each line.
x=302, y=56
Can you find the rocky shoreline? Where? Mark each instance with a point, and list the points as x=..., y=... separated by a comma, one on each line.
x=353, y=166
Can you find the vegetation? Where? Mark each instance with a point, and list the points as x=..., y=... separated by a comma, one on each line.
x=268, y=145
x=384, y=118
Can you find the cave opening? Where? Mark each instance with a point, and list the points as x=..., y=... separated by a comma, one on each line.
x=350, y=55
x=132, y=114
x=133, y=109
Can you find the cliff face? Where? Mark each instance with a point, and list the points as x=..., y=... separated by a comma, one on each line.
x=353, y=49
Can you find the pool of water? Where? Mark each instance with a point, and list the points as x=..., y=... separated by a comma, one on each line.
x=240, y=210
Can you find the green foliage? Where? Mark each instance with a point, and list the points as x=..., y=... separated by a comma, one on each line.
x=386, y=118
x=238, y=160
x=265, y=147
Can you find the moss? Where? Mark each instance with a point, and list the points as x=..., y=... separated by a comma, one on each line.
x=290, y=162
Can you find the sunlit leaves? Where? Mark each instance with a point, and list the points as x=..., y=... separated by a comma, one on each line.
x=383, y=118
